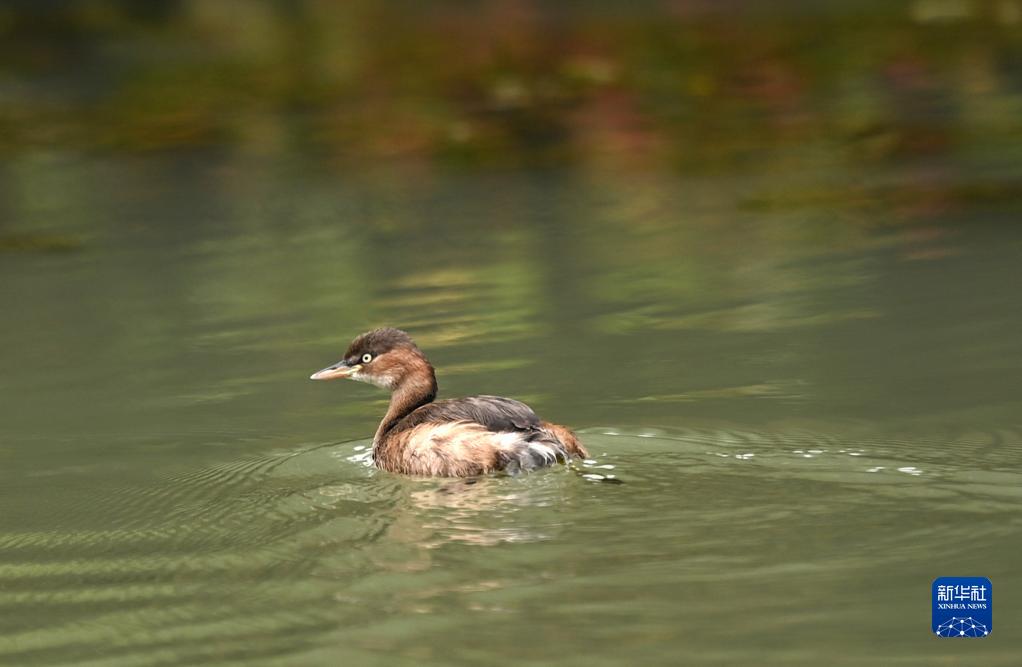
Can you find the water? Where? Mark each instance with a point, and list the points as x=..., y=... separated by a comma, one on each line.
x=808, y=432
x=793, y=342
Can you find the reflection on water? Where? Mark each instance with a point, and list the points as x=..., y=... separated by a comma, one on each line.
x=310, y=553
x=765, y=263
x=809, y=426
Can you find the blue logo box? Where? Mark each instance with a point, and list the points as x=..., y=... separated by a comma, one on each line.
x=962, y=607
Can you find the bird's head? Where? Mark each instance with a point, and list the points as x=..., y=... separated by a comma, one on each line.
x=383, y=357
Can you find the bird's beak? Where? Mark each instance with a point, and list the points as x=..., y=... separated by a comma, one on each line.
x=339, y=370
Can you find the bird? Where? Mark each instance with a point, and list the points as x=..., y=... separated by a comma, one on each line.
x=462, y=437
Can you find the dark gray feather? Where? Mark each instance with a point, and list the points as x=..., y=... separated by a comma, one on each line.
x=494, y=412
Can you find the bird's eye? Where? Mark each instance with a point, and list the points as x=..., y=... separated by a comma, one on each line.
x=366, y=358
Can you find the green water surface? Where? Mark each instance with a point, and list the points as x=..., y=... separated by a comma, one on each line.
x=776, y=291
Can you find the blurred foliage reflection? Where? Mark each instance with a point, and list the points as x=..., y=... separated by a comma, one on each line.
x=680, y=84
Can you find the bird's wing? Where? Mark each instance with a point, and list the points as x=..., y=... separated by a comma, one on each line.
x=494, y=412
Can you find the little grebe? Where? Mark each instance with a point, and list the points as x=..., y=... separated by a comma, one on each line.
x=451, y=438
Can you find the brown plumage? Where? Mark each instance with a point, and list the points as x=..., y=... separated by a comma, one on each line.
x=451, y=438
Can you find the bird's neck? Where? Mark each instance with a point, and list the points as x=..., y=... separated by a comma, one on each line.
x=414, y=391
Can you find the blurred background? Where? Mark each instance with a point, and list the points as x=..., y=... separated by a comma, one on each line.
x=824, y=184
x=763, y=255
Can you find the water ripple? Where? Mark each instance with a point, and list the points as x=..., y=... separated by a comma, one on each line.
x=279, y=554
